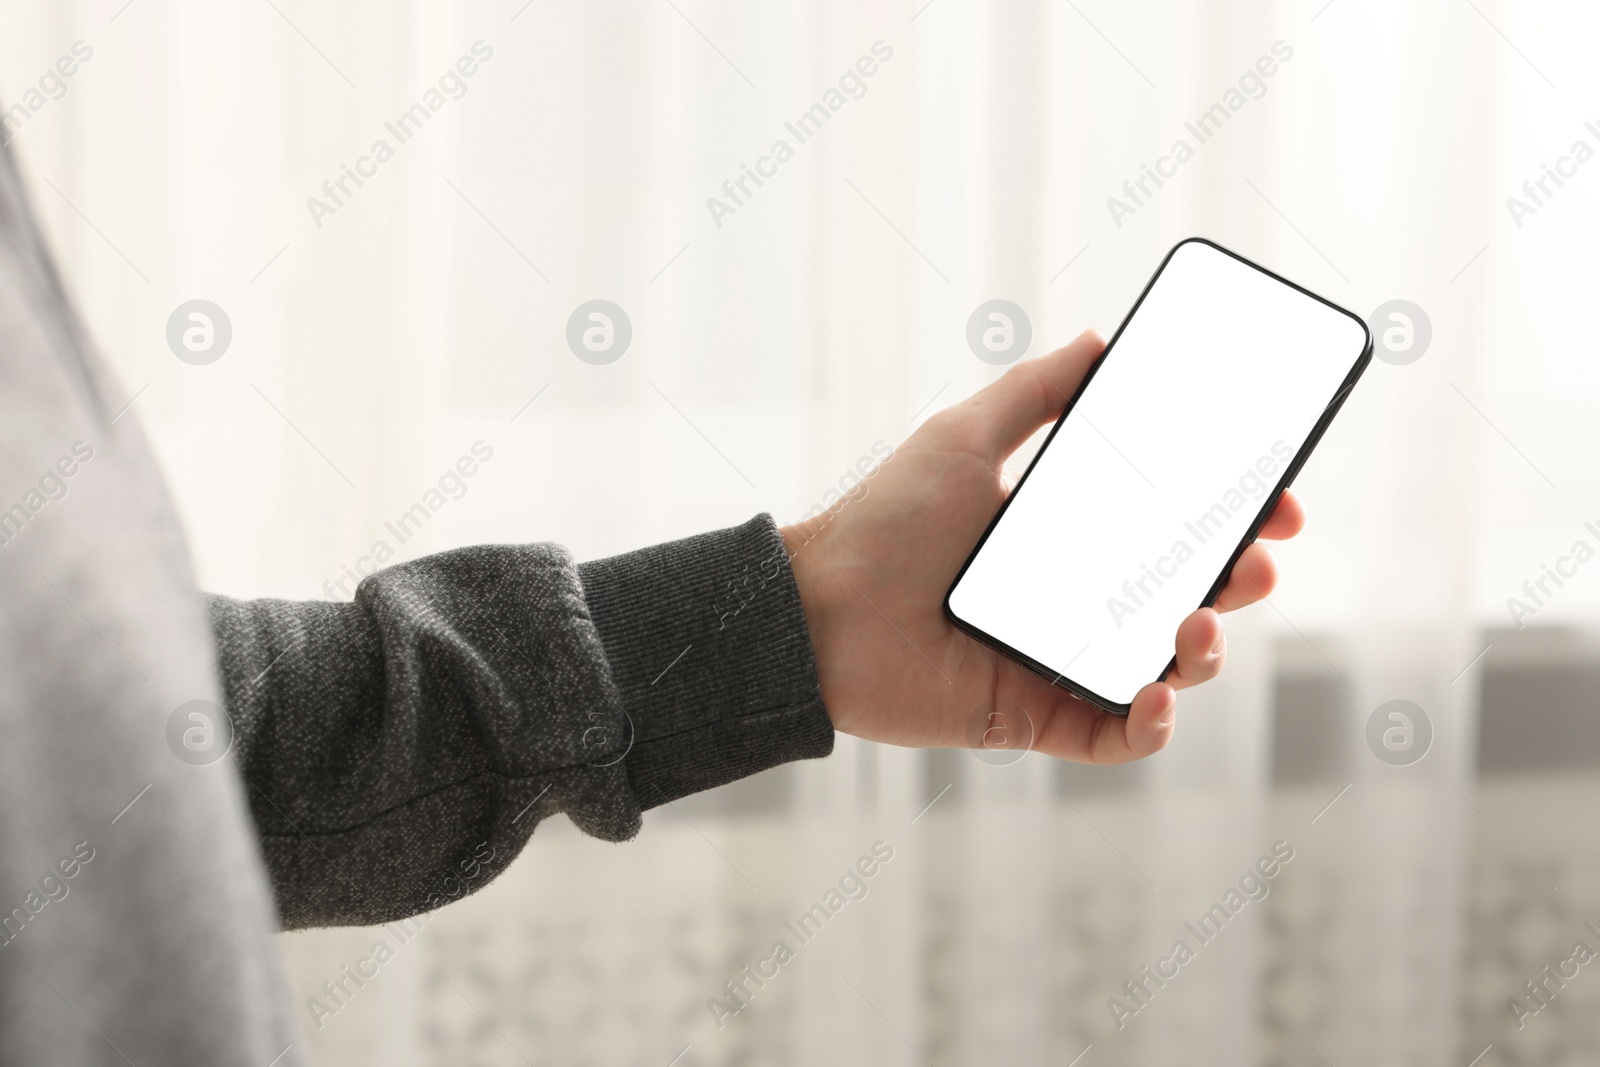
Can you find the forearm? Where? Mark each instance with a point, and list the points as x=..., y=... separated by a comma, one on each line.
x=391, y=744
x=708, y=647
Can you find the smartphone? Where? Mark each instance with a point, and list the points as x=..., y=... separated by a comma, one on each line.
x=1176, y=447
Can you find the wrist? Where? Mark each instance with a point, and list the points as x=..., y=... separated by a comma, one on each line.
x=705, y=644
x=809, y=545
x=799, y=545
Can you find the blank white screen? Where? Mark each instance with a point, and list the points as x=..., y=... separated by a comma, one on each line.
x=1170, y=453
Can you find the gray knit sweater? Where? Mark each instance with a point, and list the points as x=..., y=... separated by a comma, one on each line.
x=380, y=750
x=466, y=696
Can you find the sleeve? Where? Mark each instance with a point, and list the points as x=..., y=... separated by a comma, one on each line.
x=398, y=751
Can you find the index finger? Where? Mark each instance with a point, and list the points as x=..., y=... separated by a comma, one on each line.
x=1286, y=520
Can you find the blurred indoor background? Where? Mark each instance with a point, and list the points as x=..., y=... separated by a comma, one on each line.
x=378, y=338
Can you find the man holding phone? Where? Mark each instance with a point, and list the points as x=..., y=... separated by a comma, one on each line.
x=1161, y=472
x=892, y=665
x=378, y=749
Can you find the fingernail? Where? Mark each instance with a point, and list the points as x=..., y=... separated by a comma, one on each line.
x=1220, y=643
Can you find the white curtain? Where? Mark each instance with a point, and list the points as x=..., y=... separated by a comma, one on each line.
x=775, y=345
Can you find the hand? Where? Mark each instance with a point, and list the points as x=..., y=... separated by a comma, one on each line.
x=873, y=570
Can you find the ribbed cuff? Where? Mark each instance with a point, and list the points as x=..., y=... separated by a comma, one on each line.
x=707, y=643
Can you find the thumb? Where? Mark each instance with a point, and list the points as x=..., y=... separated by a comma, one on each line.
x=1006, y=413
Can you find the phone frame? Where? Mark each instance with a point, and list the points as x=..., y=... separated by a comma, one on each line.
x=1059, y=679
